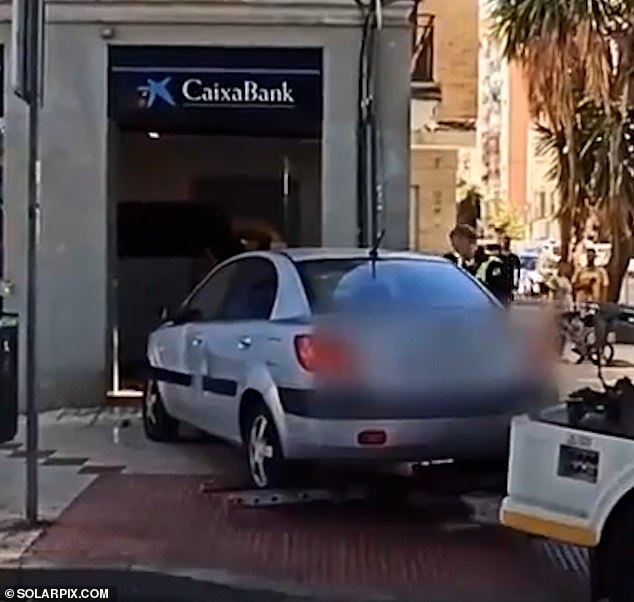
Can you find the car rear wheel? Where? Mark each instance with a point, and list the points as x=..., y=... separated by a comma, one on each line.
x=157, y=423
x=265, y=460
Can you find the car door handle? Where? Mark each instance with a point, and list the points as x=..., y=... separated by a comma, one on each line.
x=197, y=341
x=244, y=343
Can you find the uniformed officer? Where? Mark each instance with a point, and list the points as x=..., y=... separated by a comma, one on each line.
x=464, y=242
x=488, y=269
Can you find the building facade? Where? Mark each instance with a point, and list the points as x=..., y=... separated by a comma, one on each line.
x=169, y=102
x=444, y=112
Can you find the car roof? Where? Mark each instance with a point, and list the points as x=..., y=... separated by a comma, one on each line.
x=317, y=253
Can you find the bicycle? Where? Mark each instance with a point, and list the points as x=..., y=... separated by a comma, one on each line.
x=590, y=330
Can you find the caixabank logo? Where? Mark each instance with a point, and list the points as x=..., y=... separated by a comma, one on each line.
x=195, y=91
x=156, y=91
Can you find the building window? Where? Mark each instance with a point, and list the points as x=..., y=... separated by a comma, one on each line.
x=414, y=216
x=437, y=204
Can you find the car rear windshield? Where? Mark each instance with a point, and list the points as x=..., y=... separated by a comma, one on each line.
x=338, y=283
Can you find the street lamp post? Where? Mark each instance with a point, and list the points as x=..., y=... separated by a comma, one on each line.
x=27, y=69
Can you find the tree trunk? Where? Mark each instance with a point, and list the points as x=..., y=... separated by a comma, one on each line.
x=565, y=232
x=567, y=210
x=622, y=249
x=617, y=207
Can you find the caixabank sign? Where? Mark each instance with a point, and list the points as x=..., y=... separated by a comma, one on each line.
x=239, y=91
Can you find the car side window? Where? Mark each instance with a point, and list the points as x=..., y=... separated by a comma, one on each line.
x=252, y=292
x=208, y=300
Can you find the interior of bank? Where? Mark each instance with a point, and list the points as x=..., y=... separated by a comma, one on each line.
x=178, y=189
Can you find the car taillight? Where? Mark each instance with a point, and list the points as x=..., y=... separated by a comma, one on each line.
x=324, y=356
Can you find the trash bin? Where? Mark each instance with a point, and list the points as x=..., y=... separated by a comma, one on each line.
x=8, y=376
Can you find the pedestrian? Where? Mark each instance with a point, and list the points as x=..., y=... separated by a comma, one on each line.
x=511, y=267
x=561, y=295
x=560, y=288
x=591, y=281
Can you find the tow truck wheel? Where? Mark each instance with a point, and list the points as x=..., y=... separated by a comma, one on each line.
x=614, y=559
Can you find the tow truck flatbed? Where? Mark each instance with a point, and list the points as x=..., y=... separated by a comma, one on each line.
x=572, y=480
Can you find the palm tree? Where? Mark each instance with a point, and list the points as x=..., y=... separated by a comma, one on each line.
x=558, y=44
x=577, y=59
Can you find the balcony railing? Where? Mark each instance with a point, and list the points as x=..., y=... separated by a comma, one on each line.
x=422, y=66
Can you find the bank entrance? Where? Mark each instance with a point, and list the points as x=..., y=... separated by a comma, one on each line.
x=208, y=147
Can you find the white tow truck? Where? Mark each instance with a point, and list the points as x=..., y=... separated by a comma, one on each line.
x=571, y=479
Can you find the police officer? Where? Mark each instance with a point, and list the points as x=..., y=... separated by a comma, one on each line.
x=489, y=270
x=463, y=240
x=466, y=253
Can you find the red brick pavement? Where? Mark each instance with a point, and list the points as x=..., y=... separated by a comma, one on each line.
x=166, y=521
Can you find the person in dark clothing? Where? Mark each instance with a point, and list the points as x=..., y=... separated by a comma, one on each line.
x=480, y=257
x=264, y=243
x=218, y=243
x=510, y=269
x=464, y=241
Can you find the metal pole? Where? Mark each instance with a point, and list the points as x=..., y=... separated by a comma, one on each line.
x=289, y=232
x=34, y=34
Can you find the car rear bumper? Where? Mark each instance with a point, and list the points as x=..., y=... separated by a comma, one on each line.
x=322, y=424
x=470, y=438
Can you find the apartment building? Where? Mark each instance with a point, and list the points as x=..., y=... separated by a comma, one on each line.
x=525, y=184
x=444, y=161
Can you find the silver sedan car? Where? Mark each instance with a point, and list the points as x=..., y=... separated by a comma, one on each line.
x=331, y=354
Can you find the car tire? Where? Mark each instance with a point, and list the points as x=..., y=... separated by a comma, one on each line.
x=614, y=558
x=157, y=422
x=266, y=466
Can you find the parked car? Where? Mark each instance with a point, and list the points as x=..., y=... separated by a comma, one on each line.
x=327, y=354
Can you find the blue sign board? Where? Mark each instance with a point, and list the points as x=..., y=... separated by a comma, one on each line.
x=217, y=90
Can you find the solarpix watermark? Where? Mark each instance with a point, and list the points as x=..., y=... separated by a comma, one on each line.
x=59, y=593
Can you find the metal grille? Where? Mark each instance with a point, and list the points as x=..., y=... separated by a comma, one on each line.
x=565, y=557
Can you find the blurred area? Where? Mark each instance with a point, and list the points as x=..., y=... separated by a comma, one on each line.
x=404, y=327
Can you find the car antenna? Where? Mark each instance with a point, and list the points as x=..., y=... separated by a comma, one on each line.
x=374, y=251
